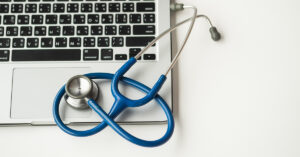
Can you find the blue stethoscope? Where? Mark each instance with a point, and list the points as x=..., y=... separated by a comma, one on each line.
x=119, y=105
x=82, y=88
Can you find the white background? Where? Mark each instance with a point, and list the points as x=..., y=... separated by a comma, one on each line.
x=238, y=97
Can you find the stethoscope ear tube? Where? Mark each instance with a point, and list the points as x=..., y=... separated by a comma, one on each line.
x=215, y=35
x=114, y=112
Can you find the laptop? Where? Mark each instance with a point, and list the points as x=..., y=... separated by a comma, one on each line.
x=43, y=43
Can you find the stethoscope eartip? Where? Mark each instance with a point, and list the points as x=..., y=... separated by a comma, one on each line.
x=215, y=35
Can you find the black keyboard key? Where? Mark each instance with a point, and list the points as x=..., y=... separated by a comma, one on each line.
x=100, y=7
x=32, y=42
x=4, y=8
x=149, y=18
x=93, y=19
x=12, y=31
x=143, y=30
x=133, y=52
x=37, y=19
x=135, y=18
x=58, y=7
x=121, y=57
x=75, y=42
x=86, y=7
x=73, y=7
x=117, y=41
x=18, y=42
x=4, y=42
x=40, y=31
x=1, y=31
x=30, y=8
x=79, y=19
x=114, y=7
x=145, y=7
x=90, y=54
x=9, y=19
x=23, y=19
x=51, y=19
x=46, y=55
x=65, y=19
x=138, y=41
x=110, y=30
x=128, y=7
x=124, y=29
x=16, y=8
x=149, y=57
x=54, y=30
x=107, y=18
x=45, y=8
x=121, y=18
x=96, y=30
x=61, y=42
x=82, y=30
x=68, y=30
x=89, y=42
x=107, y=54
x=47, y=42
x=103, y=41
x=4, y=55
x=26, y=31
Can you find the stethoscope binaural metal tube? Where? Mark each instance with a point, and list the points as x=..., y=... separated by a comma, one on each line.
x=214, y=34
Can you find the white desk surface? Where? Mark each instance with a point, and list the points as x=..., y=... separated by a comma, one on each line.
x=238, y=97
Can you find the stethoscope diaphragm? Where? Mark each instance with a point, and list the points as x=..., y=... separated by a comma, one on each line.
x=78, y=89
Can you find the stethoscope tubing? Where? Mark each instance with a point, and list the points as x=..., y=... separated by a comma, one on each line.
x=121, y=102
x=108, y=118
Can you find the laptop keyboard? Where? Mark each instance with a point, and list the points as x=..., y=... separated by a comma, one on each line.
x=75, y=30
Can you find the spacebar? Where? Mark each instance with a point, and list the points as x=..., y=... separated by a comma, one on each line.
x=46, y=55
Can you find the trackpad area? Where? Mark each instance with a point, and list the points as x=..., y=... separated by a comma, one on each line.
x=34, y=90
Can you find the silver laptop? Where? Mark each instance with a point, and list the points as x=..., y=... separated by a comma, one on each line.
x=45, y=42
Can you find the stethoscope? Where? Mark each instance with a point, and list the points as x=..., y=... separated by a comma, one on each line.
x=82, y=92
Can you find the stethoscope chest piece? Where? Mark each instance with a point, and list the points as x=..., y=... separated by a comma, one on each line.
x=79, y=89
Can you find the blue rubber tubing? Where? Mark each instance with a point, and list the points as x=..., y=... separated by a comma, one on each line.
x=108, y=118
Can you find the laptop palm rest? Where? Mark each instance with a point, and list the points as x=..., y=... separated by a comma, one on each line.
x=34, y=89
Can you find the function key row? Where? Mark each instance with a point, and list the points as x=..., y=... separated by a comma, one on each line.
x=76, y=7
x=70, y=55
